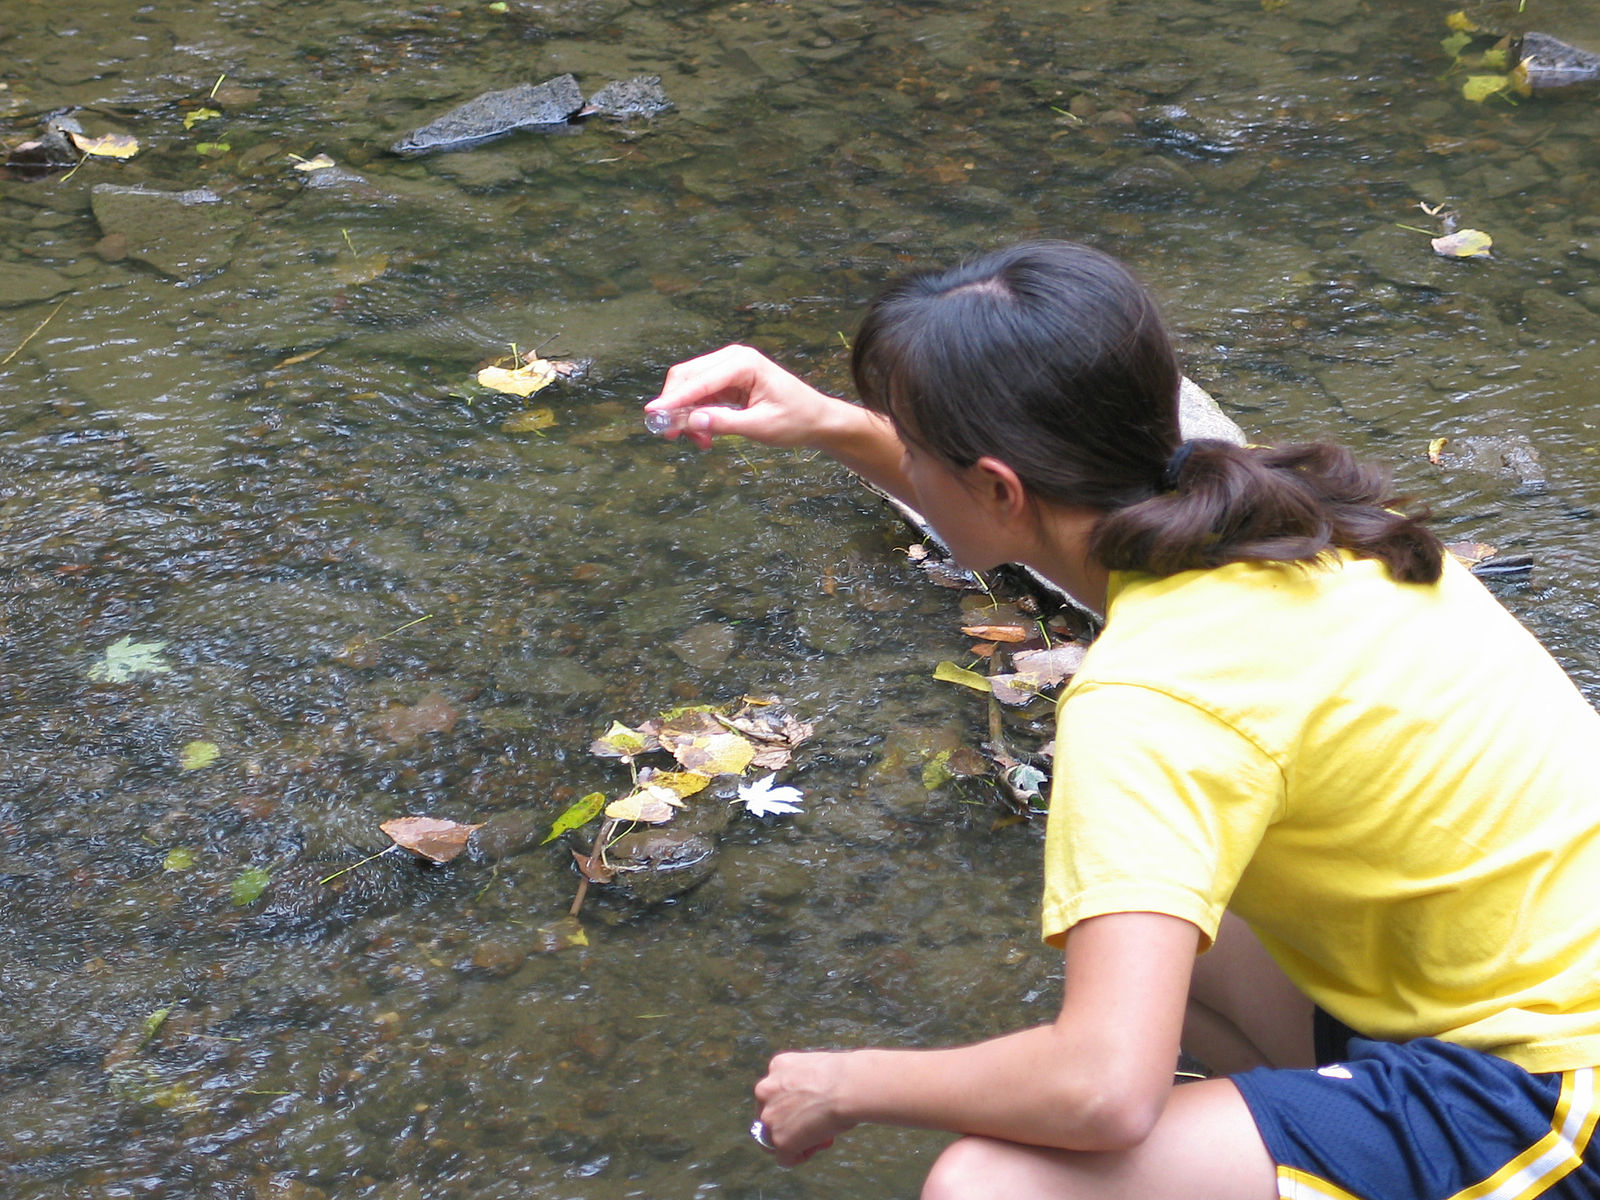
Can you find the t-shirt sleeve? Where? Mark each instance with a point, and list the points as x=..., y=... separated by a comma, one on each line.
x=1157, y=806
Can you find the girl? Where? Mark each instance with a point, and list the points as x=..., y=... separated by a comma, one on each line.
x=1308, y=748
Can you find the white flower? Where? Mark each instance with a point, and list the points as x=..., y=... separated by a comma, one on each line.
x=761, y=799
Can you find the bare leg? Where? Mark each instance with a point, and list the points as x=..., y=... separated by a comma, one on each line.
x=1243, y=1011
x=1205, y=1147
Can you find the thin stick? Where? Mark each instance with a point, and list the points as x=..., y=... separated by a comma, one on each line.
x=30, y=337
x=583, y=879
x=354, y=865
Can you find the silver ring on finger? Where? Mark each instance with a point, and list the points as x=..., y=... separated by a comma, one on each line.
x=758, y=1130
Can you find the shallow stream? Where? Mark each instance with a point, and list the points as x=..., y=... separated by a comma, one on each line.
x=246, y=430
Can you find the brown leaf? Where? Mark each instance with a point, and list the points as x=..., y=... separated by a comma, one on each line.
x=592, y=868
x=433, y=838
x=998, y=633
x=432, y=714
x=1471, y=553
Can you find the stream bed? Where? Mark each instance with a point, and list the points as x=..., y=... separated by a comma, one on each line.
x=240, y=439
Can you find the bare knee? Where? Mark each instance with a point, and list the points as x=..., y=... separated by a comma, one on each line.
x=967, y=1170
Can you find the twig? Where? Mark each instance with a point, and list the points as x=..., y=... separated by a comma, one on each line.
x=30, y=337
x=583, y=878
x=354, y=865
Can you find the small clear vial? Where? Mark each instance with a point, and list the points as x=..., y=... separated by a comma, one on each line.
x=665, y=422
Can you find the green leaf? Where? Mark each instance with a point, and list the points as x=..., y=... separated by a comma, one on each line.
x=247, y=888
x=212, y=149
x=180, y=858
x=948, y=672
x=936, y=771
x=198, y=115
x=125, y=658
x=195, y=755
x=1456, y=43
x=579, y=815
x=1479, y=88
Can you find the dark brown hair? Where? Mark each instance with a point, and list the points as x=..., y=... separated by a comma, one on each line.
x=1052, y=358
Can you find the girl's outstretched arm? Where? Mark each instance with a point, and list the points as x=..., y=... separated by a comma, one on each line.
x=1096, y=1079
x=738, y=390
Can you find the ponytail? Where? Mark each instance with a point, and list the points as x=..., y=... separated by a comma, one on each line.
x=1299, y=503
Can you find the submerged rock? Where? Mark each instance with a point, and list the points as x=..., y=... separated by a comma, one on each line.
x=180, y=234
x=546, y=106
x=627, y=99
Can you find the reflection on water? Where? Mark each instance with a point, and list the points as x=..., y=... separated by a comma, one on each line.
x=243, y=429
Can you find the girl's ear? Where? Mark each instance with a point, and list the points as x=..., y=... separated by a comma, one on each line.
x=999, y=487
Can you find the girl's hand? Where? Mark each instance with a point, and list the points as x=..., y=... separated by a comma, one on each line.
x=799, y=1098
x=737, y=390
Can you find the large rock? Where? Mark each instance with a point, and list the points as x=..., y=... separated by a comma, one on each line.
x=180, y=234
x=546, y=106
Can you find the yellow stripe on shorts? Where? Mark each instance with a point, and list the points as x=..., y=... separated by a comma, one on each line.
x=1554, y=1156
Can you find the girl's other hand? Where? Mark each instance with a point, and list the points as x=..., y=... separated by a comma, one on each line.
x=738, y=390
x=799, y=1103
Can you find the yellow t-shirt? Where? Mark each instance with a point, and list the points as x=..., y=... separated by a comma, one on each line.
x=1394, y=784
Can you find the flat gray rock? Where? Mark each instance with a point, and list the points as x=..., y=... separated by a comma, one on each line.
x=545, y=106
x=180, y=234
x=629, y=99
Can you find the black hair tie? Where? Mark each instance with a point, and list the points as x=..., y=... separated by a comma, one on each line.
x=1175, y=465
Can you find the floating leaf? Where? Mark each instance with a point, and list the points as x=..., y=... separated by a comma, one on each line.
x=1464, y=243
x=198, y=115
x=716, y=754
x=1051, y=666
x=531, y=421
x=180, y=858
x=126, y=658
x=1461, y=23
x=998, y=633
x=520, y=381
x=195, y=755
x=247, y=888
x=622, y=742
x=761, y=799
x=212, y=149
x=433, y=838
x=1471, y=553
x=1027, y=779
x=1436, y=449
x=641, y=806
x=320, y=163
x=948, y=672
x=1456, y=43
x=681, y=784
x=111, y=145
x=577, y=816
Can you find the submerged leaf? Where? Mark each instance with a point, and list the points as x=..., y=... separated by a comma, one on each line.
x=320, y=163
x=180, y=858
x=577, y=816
x=1479, y=88
x=433, y=838
x=948, y=672
x=1463, y=243
x=198, y=115
x=531, y=421
x=195, y=755
x=126, y=658
x=248, y=886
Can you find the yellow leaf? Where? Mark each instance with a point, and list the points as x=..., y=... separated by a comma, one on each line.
x=1461, y=23
x=320, y=163
x=195, y=755
x=521, y=381
x=1436, y=449
x=198, y=115
x=714, y=754
x=619, y=742
x=1479, y=88
x=1463, y=243
x=680, y=783
x=112, y=145
x=531, y=421
x=948, y=672
x=652, y=810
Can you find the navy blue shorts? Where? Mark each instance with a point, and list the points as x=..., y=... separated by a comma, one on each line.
x=1427, y=1120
